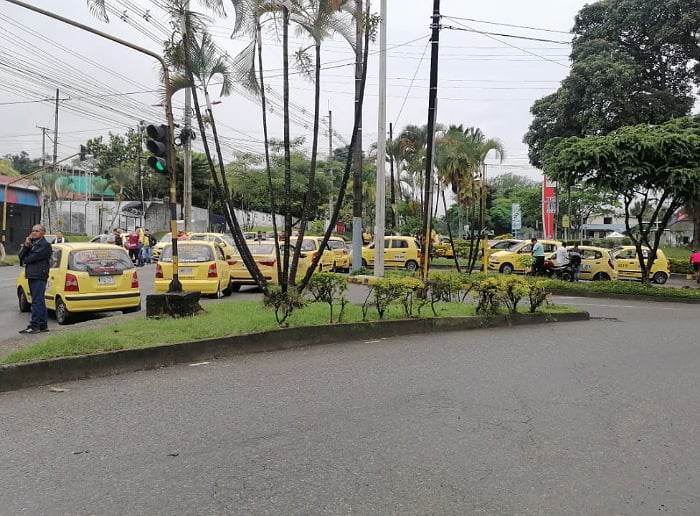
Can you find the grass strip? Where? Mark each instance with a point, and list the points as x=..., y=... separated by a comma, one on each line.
x=219, y=320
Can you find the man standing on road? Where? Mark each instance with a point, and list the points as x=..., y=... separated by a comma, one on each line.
x=538, y=257
x=562, y=256
x=35, y=256
x=575, y=260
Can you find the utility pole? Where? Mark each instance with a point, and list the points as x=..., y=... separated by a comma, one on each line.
x=380, y=202
x=55, y=134
x=432, y=114
x=330, y=165
x=392, y=194
x=43, y=144
x=357, y=160
x=484, y=238
x=187, y=148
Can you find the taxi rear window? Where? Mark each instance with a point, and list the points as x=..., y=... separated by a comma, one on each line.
x=191, y=253
x=100, y=261
x=262, y=249
x=336, y=244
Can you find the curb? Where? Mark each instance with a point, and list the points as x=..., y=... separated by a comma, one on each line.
x=605, y=295
x=57, y=370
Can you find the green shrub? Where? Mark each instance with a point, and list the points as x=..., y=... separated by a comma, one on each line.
x=330, y=288
x=442, y=286
x=489, y=296
x=513, y=290
x=538, y=293
x=392, y=290
x=284, y=303
x=362, y=271
x=680, y=266
x=628, y=288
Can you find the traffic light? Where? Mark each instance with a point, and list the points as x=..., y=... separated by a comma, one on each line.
x=158, y=144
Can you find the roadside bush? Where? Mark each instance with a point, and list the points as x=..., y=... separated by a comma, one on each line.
x=362, y=271
x=442, y=286
x=513, y=290
x=330, y=288
x=392, y=290
x=628, y=288
x=538, y=294
x=489, y=296
x=680, y=266
x=284, y=303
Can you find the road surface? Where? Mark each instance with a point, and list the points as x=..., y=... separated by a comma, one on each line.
x=597, y=417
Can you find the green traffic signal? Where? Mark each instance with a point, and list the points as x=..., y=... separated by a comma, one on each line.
x=159, y=145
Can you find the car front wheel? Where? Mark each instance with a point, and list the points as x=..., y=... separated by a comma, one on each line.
x=601, y=276
x=411, y=265
x=506, y=268
x=24, y=304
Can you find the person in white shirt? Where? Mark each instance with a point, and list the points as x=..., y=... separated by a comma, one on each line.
x=562, y=256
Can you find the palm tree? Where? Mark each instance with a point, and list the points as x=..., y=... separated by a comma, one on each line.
x=319, y=19
x=119, y=177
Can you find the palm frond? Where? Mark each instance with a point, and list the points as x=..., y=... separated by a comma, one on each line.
x=98, y=9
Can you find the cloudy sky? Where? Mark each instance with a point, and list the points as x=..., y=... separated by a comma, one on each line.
x=485, y=81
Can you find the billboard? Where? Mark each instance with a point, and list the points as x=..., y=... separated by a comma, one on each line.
x=549, y=209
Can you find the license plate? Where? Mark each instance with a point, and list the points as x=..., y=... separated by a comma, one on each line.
x=585, y=267
x=185, y=271
x=105, y=280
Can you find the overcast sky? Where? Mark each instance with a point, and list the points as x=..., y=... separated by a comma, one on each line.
x=483, y=81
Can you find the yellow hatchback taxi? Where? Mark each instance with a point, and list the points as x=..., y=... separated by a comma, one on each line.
x=597, y=263
x=342, y=255
x=265, y=256
x=225, y=241
x=202, y=267
x=514, y=259
x=85, y=278
x=310, y=246
x=628, y=264
x=399, y=251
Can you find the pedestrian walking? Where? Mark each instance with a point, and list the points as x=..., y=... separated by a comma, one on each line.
x=35, y=257
x=538, y=257
x=575, y=261
x=148, y=243
x=695, y=264
x=132, y=245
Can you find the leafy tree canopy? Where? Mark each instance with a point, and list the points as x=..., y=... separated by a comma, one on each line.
x=633, y=61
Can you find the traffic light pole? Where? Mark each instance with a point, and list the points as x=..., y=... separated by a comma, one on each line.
x=175, y=285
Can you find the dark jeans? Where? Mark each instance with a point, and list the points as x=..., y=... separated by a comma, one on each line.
x=37, y=288
x=538, y=265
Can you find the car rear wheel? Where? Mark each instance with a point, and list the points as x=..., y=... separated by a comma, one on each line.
x=660, y=278
x=62, y=313
x=236, y=287
x=411, y=265
x=506, y=268
x=601, y=276
x=24, y=304
x=228, y=290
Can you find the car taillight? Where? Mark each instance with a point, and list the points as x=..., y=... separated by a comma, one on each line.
x=268, y=263
x=134, y=280
x=71, y=284
x=212, y=272
x=159, y=272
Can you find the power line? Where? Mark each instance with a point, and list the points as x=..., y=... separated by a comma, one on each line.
x=464, y=28
x=509, y=25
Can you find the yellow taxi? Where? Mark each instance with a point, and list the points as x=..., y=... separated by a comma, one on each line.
x=86, y=277
x=515, y=258
x=597, y=263
x=265, y=256
x=628, y=264
x=225, y=241
x=310, y=246
x=158, y=248
x=342, y=255
x=202, y=267
x=499, y=245
x=399, y=251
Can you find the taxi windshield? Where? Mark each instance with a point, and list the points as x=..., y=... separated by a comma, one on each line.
x=192, y=253
x=336, y=244
x=100, y=261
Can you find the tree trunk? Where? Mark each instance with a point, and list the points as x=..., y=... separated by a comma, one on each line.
x=306, y=212
x=449, y=233
x=348, y=162
x=268, y=168
x=287, y=153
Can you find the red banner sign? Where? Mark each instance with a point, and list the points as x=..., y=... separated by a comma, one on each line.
x=549, y=209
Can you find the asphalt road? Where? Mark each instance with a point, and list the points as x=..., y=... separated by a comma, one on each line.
x=599, y=417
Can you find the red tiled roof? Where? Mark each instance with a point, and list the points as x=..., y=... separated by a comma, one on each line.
x=23, y=184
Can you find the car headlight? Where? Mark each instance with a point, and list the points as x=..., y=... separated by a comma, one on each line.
x=493, y=259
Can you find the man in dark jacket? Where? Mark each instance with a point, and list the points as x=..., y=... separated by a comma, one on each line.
x=35, y=256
